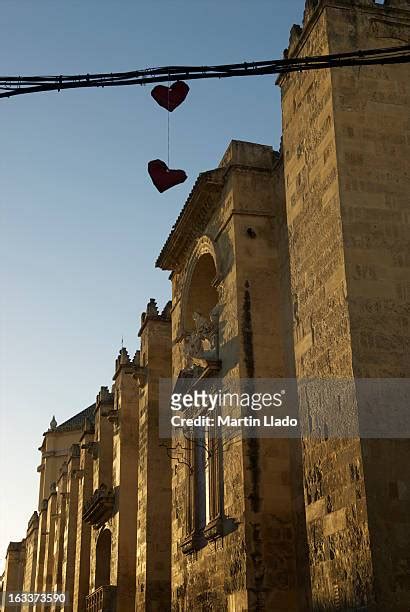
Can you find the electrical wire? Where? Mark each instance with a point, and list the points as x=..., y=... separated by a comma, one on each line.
x=19, y=85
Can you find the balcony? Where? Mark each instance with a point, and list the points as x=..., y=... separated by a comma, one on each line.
x=99, y=507
x=101, y=600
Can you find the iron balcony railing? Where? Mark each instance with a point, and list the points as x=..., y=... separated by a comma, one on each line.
x=101, y=600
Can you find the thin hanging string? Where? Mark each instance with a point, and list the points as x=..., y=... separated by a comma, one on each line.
x=168, y=117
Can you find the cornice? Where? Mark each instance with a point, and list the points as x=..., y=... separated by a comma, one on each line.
x=195, y=214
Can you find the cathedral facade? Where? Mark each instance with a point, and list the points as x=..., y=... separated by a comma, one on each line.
x=287, y=264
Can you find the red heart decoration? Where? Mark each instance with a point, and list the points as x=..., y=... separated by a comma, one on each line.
x=164, y=178
x=170, y=97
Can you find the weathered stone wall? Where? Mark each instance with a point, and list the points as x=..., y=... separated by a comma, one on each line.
x=253, y=566
x=153, y=589
x=345, y=208
x=48, y=583
x=82, y=557
x=321, y=326
x=103, y=440
x=125, y=449
x=213, y=577
x=285, y=321
x=70, y=531
x=270, y=484
x=30, y=555
x=14, y=572
x=41, y=550
x=372, y=137
x=54, y=451
x=62, y=509
x=102, y=464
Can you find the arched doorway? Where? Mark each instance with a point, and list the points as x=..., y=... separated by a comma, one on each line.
x=103, y=559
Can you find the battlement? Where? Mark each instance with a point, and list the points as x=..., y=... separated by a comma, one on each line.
x=104, y=396
x=313, y=8
x=152, y=314
x=312, y=5
x=15, y=547
x=122, y=359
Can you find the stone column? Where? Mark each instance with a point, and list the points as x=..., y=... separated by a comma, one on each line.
x=82, y=560
x=154, y=480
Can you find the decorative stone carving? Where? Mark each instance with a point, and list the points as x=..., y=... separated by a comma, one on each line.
x=100, y=507
x=140, y=375
x=92, y=448
x=113, y=417
x=202, y=345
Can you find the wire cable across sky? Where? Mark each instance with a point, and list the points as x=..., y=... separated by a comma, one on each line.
x=19, y=85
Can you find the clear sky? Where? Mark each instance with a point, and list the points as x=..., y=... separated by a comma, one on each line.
x=81, y=223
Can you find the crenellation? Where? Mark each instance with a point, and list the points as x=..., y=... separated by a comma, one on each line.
x=294, y=37
x=103, y=396
x=166, y=312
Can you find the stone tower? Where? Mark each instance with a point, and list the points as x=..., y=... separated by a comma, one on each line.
x=346, y=153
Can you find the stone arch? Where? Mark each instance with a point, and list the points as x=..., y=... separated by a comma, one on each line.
x=200, y=293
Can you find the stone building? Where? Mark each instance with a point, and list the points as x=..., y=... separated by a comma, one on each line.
x=289, y=264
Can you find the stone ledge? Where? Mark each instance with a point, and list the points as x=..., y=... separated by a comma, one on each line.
x=99, y=507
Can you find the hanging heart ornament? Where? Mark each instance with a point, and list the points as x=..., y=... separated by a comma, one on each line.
x=170, y=97
x=164, y=178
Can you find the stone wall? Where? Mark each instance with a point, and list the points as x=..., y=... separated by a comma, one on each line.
x=14, y=572
x=82, y=556
x=102, y=450
x=125, y=452
x=346, y=212
x=30, y=555
x=372, y=138
x=153, y=589
x=71, y=525
x=251, y=563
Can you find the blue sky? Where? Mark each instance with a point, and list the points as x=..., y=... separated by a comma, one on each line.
x=81, y=224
